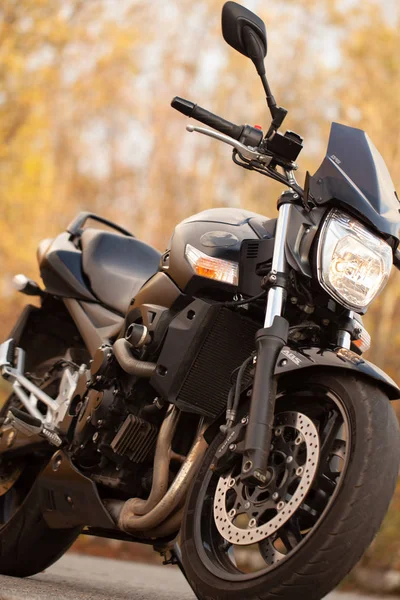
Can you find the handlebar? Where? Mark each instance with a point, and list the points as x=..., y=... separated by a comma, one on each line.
x=247, y=141
x=396, y=259
x=190, y=109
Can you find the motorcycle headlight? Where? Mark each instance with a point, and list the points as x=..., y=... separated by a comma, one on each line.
x=212, y=268
x=353, y=263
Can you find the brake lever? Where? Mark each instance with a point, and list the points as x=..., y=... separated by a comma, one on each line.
x=245, y=151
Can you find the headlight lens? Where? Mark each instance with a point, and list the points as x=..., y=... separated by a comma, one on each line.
x=353, y=263
x=212, y=268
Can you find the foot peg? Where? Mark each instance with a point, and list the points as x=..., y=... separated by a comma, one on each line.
x=33, y=422
x=7, y=354
x=12, y=367
x=30, y=426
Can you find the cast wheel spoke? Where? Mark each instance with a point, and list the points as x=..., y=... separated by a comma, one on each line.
x=307, y=460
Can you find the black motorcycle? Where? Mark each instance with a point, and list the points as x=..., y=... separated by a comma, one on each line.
x=216, y=394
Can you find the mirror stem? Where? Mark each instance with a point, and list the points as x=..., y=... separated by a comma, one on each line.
x=278, y=113
x=270, y=98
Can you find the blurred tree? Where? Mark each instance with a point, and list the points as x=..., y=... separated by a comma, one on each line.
x=64, y=73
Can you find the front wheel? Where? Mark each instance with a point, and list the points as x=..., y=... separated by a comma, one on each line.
x=333, y=468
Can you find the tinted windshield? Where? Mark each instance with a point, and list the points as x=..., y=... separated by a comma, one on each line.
x=354, y=173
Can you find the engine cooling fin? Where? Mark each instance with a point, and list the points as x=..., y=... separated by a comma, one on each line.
x=136, y=439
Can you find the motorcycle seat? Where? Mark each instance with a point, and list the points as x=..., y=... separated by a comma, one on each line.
x=117, y=266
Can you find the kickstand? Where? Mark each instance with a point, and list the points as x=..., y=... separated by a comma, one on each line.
x=172, y=555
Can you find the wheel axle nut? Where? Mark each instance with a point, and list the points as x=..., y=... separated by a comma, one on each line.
x=247, y=505
x=275, y=496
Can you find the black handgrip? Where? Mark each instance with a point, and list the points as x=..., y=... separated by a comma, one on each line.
x=396, y=259
x=194, y=111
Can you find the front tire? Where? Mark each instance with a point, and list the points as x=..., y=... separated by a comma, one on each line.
x=328, y=549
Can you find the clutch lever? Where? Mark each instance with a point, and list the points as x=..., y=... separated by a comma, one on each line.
x=244, y=151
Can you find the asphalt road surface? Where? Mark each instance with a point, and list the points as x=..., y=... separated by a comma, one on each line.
x=77, y=577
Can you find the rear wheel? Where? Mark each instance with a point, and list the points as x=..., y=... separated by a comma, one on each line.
x=27, y=544
x=332, y=472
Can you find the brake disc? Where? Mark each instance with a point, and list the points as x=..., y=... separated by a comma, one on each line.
x=244, y=515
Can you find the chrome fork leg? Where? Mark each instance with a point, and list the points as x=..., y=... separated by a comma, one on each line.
x=279, y=265
x=269, y=342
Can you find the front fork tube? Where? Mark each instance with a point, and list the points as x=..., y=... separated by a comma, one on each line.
x=269, y=342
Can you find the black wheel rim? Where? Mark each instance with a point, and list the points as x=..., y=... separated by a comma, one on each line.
x=231, y=562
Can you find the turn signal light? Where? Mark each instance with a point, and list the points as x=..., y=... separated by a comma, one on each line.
x=212, y=268
x=364, y=341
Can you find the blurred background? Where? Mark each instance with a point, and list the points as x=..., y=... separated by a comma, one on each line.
x=86, y=124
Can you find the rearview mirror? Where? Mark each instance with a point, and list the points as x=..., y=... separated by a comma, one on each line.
x=246, y=33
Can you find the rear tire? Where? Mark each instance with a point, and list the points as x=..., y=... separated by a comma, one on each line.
x=27, y=544
x=344, y=531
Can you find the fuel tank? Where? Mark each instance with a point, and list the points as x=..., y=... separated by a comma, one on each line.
x=217, y=232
